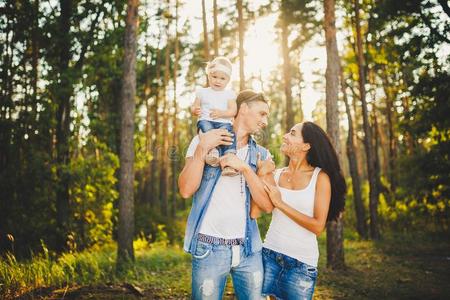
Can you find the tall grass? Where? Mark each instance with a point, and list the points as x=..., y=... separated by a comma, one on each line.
x=156, y=265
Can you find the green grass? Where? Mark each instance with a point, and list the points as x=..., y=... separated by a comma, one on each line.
x=163, y=271
x=398, y=267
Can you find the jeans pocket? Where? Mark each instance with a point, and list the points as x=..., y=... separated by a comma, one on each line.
x=202, y=251
x=311, y=271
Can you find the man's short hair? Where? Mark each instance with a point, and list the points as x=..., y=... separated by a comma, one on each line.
x=249, y=96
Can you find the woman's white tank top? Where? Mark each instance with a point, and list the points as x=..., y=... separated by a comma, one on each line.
x=287, y=237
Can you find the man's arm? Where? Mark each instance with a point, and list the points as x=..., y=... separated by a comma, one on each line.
x=191, y=175
x=255, y=184
x=266, y=174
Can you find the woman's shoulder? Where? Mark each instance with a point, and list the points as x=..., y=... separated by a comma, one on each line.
x=322, y=177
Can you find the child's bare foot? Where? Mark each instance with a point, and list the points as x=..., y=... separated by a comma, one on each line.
x=229, y=171
x=212, y=158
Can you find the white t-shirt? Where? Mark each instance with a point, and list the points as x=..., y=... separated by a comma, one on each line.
x=287, y=237
x=212, y=99
x=225, y=216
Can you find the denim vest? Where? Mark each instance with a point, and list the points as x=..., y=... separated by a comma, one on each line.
x=202, y=198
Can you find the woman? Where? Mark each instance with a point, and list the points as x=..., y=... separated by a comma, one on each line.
x=305, y=195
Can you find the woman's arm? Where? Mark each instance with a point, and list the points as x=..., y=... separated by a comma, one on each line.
x=265, y=171
x=315, y=224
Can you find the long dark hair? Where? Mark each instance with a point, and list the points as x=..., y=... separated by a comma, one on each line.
x=323, y=155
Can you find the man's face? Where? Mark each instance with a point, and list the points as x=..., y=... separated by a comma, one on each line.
x=218, y=80
x=256, y=115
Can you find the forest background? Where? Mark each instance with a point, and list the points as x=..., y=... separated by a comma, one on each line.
x=95, y=123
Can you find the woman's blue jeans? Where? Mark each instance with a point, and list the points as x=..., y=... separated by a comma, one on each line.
x=287, y=278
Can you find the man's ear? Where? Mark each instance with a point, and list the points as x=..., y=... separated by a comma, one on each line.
x=244, y=107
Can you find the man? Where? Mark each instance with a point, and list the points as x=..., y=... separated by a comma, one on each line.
x=220, y=234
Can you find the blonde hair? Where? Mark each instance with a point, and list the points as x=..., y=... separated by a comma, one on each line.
x=218, y=63
x=249, y=96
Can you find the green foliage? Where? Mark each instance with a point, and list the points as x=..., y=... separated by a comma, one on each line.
x=428, y=122
x=157, y=228
x=303, y=17
x=93, y=193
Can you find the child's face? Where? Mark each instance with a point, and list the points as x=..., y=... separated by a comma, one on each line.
x=218, y=80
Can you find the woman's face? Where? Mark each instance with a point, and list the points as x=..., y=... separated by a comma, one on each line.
x=293, y=143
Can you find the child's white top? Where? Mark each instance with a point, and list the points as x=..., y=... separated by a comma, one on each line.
x=287, y=237
x=212, y=99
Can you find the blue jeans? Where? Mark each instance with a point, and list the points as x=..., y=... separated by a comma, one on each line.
x=211, y=265
x=205, y=125
x=287, y=278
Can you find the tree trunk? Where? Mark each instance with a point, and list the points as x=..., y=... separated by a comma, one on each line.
x=361, y=226
x=125, y=251
x=390, y=117
x=35, y=52
x=63, y=95
x=154, y=191
x=377, y=139
x=164, y=174
x=300, y=113
x=205, y=33
x=174, y=156
x=380, y=139
x=216, y=30
x=409, y=142
x=335, y=236
x=241, y=30
x=359, y=155
x=145, y=196
x=370, y=157
x=286, y=73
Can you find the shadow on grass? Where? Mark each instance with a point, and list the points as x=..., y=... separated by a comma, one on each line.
x=397, y=267
x=115, y=292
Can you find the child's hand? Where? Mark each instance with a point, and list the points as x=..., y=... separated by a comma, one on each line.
x=264, y=167
x=215, y=113
x=231, y=160
x=196, y=110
